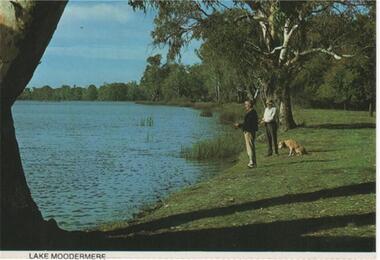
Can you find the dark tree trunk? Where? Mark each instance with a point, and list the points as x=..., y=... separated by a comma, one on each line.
x=25, y=31
x=286, y=113
x=278, y=91
x=370, y=108
x=217, y=92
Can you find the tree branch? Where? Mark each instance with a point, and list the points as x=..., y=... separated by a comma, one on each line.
x=278, y=48
x=257, y=48
x=223, y=5
x=250, y=16
x=198, y=6
x=293, y=29
x=322, y=9
x=326, y=51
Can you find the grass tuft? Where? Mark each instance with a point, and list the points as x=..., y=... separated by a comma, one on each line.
x=206, y=113
x=148, y=121
x=227, y=145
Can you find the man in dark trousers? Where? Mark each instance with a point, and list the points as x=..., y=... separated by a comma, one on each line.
x=249, y=127
x=270, y=121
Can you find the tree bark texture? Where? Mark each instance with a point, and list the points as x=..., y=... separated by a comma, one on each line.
x=277, y=90
x=26, y=28
x=286, y=113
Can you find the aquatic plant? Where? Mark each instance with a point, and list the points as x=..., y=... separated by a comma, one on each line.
x=206, y=113
x=226, y=145
x=148, y=121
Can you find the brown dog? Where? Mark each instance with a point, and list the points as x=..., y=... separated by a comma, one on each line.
x=294, y=147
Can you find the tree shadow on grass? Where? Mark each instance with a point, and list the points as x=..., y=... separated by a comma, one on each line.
x=175, y=220
x=321, y=150
x=275, y=236
x=343, y=126
x=296, y=162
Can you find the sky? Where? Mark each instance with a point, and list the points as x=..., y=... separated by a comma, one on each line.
x=97, y=42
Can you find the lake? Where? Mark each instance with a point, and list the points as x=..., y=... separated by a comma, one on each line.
x=89, y=163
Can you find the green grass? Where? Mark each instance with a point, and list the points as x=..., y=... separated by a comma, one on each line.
x=327, y=194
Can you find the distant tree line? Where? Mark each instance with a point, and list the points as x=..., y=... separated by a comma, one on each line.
x=107, y=92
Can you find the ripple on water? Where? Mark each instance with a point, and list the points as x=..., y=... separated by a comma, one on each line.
x=91, y=163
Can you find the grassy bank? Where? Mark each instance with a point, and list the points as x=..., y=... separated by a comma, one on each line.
x=322, y=201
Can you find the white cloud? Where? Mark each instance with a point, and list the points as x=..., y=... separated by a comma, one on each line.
x=119, y=12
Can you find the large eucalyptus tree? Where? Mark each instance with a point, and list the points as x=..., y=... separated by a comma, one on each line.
x=283, y=34
x=26, y=28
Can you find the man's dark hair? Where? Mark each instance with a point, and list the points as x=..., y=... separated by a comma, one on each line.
x=250, y=101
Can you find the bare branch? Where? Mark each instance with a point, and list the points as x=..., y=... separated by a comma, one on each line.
x=266, y=35
x=287, y=36
x=278, y=48
x=293, y=29
x=223, y=5
x=257, y=48
x=201, y=10
x=294, y=60
x=321, y=10
x=250, y=16
x=326, y=51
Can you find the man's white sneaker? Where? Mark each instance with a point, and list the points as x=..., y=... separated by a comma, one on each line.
x=251, y=165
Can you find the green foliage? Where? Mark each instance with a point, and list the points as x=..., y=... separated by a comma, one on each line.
x=91, y=93
x=245, y=47
x=45, y=93
x=322, y=82
x=152, y=78
x=173, y=81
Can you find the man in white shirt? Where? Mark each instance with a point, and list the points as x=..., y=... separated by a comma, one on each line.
x=270, y=120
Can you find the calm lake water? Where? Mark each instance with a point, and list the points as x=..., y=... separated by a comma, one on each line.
x=89, y=163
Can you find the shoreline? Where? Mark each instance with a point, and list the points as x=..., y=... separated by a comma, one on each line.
x=324, y=201
x=149, y=208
